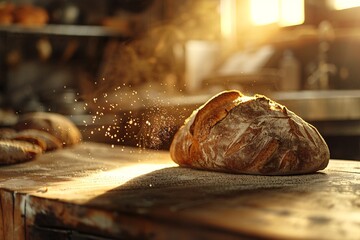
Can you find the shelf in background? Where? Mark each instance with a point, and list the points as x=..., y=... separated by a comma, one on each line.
x=65, y=30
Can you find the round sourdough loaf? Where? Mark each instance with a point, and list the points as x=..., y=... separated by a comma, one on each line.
x=250, y=135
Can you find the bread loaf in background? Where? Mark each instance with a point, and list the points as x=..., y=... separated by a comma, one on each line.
x=12, y=151
x=55, y=124
x=44, y=139
x=35, y=133
x=250, y=135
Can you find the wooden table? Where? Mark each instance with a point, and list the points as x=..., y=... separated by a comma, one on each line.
x=95, y=191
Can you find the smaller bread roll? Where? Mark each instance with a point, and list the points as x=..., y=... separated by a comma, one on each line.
x=44, y=139
x=29, y=15
x=55, y=124
x=12, y=151
x=6, y=13
x=250, y=135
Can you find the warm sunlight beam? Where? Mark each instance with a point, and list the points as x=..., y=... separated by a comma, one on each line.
x=102, y=181
x=228, y=18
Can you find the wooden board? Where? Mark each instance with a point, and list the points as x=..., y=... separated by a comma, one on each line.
x=101, y=192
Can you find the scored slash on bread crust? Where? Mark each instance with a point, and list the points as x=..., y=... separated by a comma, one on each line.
x=251, y=135
x=213, y=112
x=13, y=151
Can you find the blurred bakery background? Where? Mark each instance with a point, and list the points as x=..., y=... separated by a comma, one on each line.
x=131, y=71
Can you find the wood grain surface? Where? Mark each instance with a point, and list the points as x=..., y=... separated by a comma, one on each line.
x=95, y=191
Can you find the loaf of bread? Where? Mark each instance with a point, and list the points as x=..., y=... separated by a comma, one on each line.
x=249, y=135
x=55, y=124
x=27, y=15
x=12, y=151
x=34, y=134
x=44, y=139
x=6, y=13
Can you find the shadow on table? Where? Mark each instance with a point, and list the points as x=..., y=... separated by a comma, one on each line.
x=176, y=188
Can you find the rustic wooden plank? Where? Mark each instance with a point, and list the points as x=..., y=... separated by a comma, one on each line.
x=139, y=192
x=19, y=216
x=2, y=218
x=87, y=165
x=49, y=219
x=7, y=206
x=36, y=233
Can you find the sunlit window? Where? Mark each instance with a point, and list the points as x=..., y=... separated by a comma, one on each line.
x=292, y=12
x=344, y=4
x=264, y=11
x=282, y=12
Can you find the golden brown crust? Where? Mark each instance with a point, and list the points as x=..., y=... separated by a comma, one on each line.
x=251, y=135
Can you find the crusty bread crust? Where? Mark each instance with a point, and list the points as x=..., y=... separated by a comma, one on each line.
x=12, y=151
x=250, y=135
